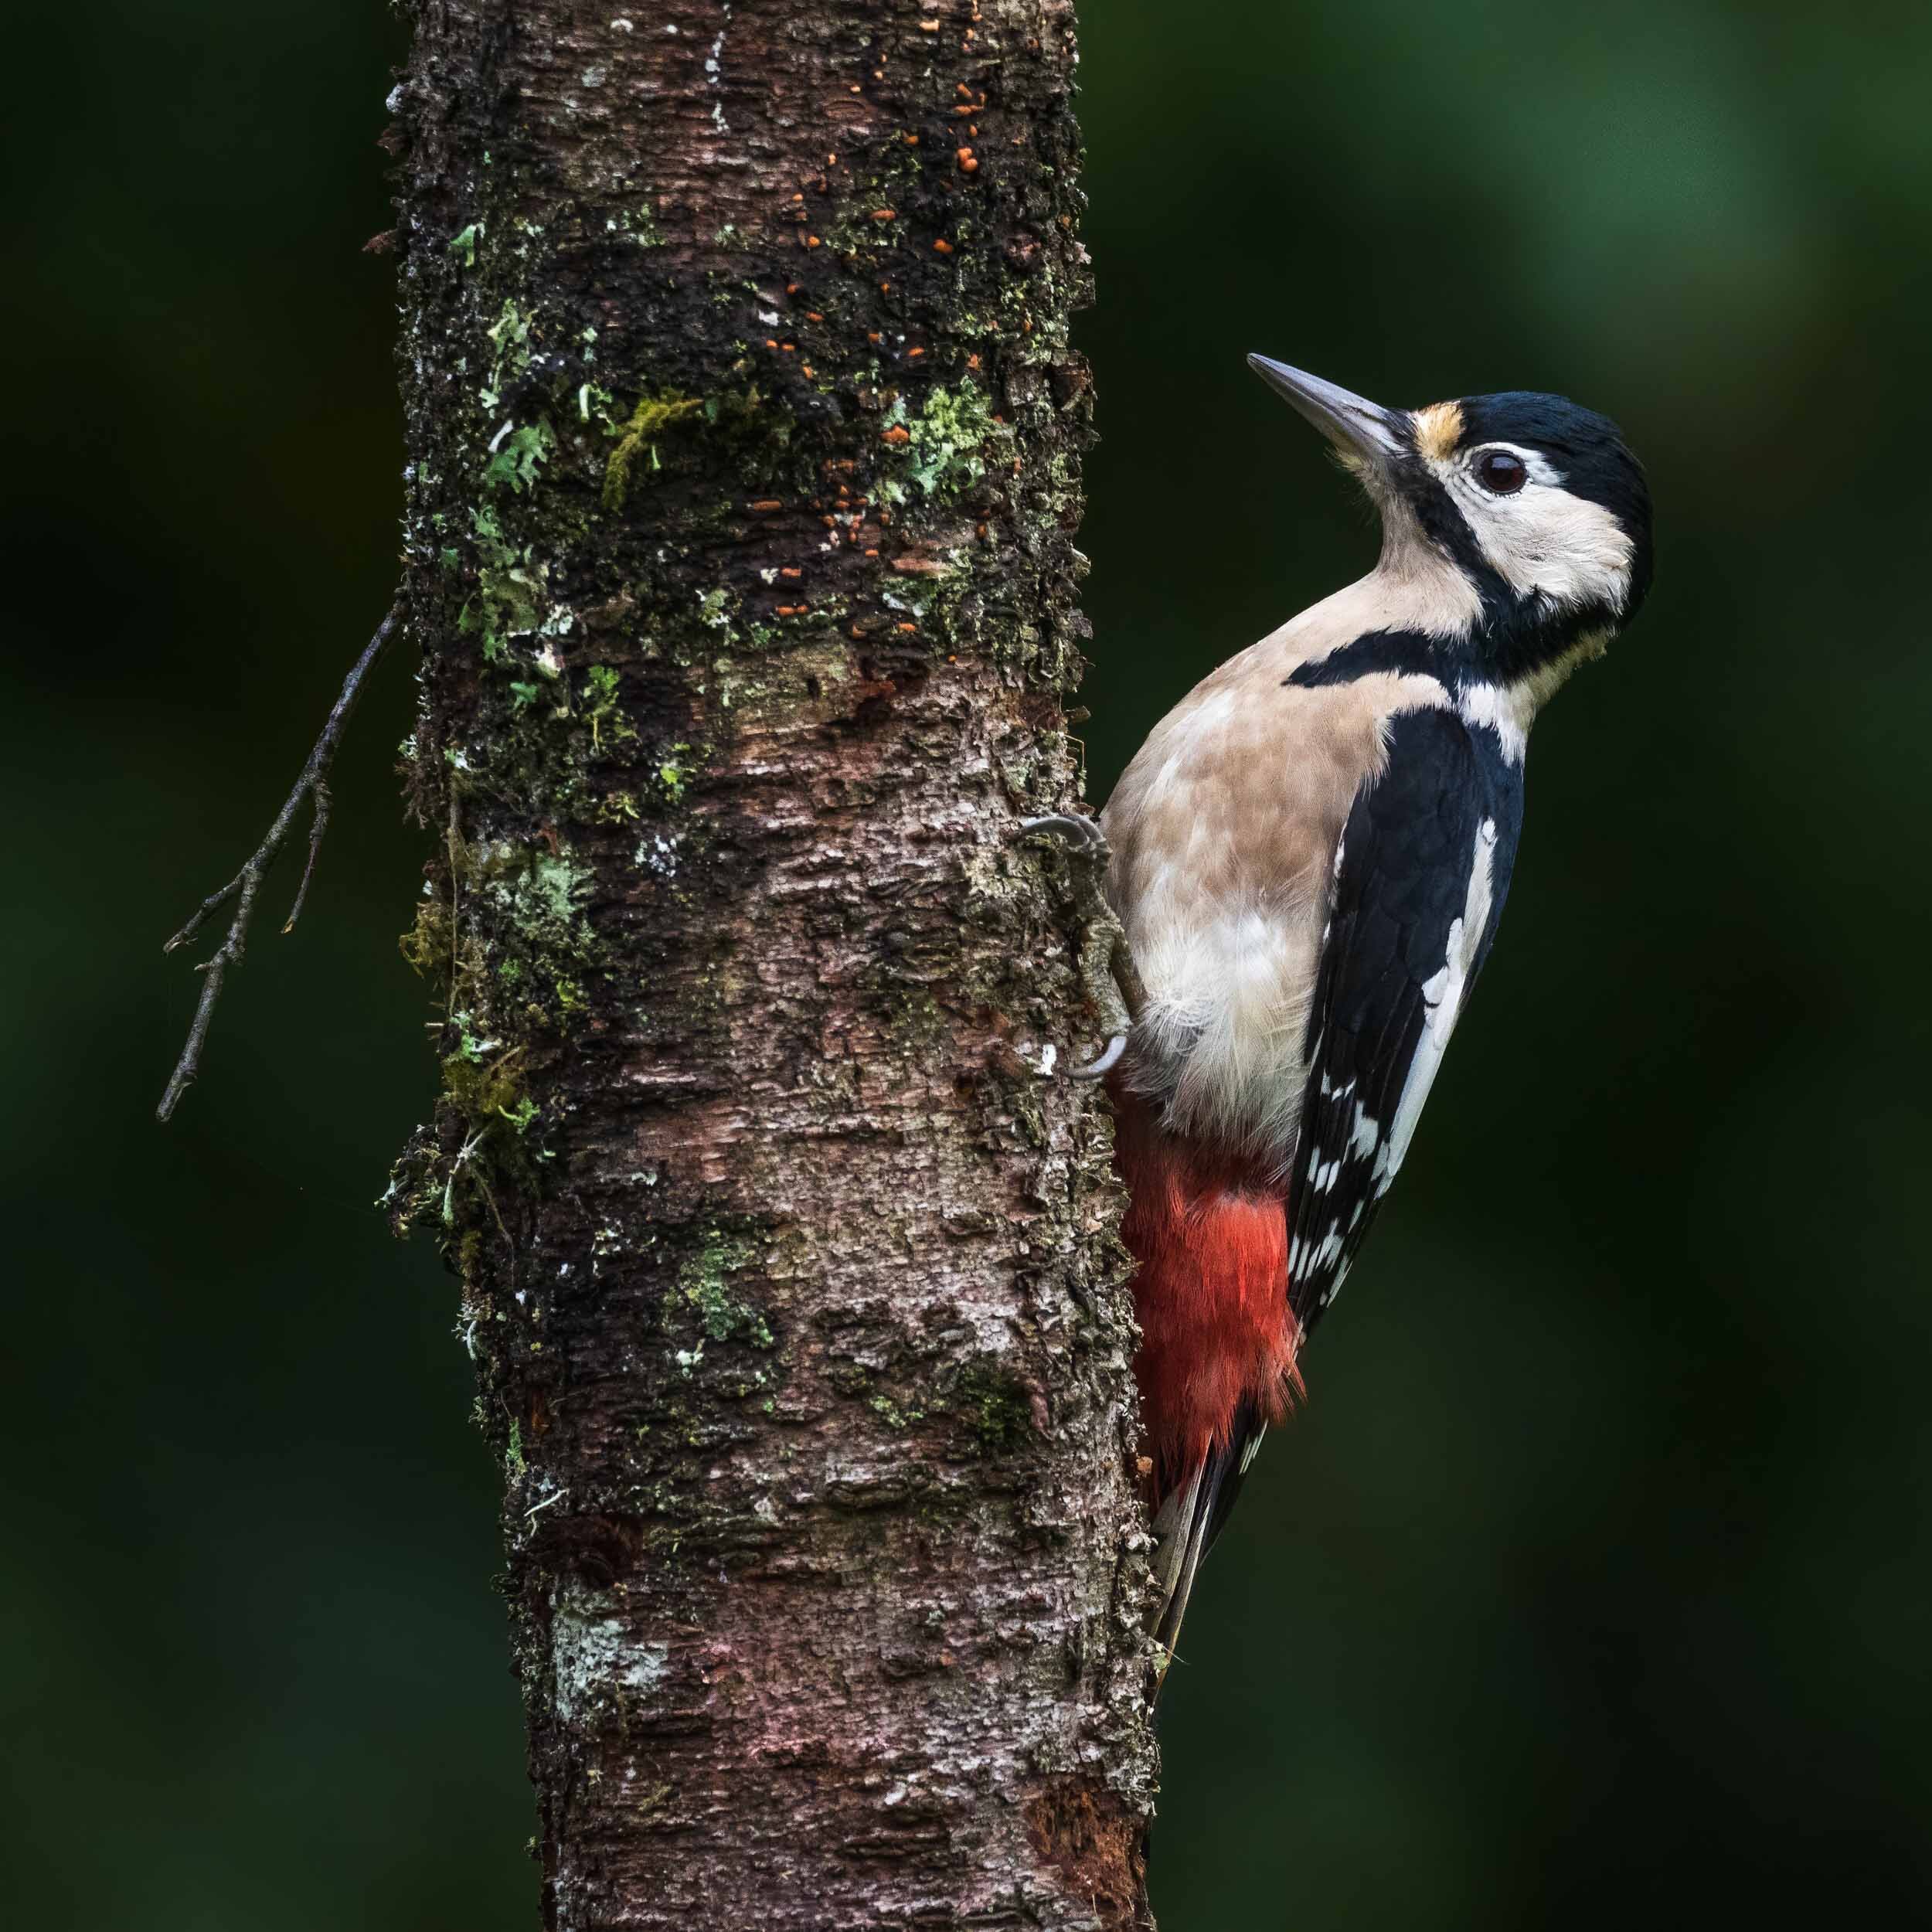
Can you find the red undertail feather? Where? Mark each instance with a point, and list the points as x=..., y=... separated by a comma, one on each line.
x=1210, y=1236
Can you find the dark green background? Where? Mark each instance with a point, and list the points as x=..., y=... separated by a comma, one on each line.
x=1591, y=1584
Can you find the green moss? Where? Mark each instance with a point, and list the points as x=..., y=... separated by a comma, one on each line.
x=672, y=775
x=701, y=1282
x=652, y=417
x=513, y=588
x=429, y=945
x=463, y=244
x=703, y=1298
x=601, y=710
x=997, y=1406
x=514, y=956
x=511, y=340
x=486, y=1084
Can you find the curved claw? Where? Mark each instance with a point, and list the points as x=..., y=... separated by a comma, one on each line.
x=1106, y=966
x=1066, y=825
x=1109, y=1058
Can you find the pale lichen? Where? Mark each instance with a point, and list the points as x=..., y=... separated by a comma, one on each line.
x=941, y=449
x=595, y=1654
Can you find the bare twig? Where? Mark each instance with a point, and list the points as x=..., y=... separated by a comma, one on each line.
x=313, y=784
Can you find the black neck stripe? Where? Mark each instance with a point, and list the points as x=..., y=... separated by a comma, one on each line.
x=1399, y=651
x=1513, y=637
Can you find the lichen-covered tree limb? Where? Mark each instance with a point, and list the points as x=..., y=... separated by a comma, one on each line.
x=311, y=788
x=744, y=435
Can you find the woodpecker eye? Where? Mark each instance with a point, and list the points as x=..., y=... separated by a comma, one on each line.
x=1501, y=474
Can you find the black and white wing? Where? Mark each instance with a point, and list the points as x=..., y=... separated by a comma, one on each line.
x=1420, y=878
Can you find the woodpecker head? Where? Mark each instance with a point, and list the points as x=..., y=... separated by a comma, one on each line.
x=1534, y=504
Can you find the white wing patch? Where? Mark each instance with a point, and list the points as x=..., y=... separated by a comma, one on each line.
x=1351, y=1165
x=1444, y=994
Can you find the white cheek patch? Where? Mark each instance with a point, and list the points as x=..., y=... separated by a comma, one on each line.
x=1542, y=542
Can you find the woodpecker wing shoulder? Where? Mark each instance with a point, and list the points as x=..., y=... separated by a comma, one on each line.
x=1420, y=877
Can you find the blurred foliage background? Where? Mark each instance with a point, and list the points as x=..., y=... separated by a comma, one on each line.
x=1592, y=1582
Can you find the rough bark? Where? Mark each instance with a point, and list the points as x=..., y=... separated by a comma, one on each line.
x=743, y=452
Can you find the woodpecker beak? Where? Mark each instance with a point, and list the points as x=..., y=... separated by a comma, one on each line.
x=1356, y=426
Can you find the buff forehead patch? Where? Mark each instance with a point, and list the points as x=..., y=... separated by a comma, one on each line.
x=1438, y=430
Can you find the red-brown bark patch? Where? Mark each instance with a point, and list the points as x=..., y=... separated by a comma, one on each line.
x=1084, y=1832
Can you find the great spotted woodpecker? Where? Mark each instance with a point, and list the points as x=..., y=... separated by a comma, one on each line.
x=1304, y=865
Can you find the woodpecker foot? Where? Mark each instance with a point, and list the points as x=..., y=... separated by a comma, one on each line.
x=1108, y=975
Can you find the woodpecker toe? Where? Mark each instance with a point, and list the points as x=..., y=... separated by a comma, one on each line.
x=1098, y=1068
x=1071, y=828
x=1108, y=976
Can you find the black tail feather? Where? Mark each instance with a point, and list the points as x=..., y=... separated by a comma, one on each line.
x=1191, y=1516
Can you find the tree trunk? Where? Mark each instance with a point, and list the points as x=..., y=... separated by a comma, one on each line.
x=743, y=439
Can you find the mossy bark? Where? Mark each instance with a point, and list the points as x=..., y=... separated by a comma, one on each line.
x=744, y=436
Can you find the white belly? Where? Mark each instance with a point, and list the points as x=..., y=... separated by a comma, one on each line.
x=1221, y=1040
